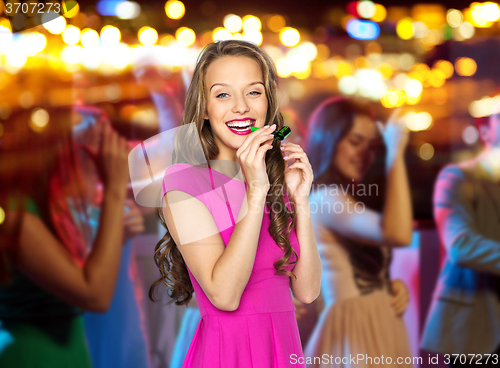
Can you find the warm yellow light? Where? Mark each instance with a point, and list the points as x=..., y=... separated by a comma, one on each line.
x=343, y=69
x=175, y=9
x=221, y=34
x=437, y=78
x=110, y=35
x=70, y=8
x=404, y=29
x=237, y=36
x=289, y=36
x=483, y=15
x=89, y=38
x=71, y=35
x=385, y=69
x=392, y=98
x=72, y=54
x=446, y=67
x=366, y=8
x=454, y=17
x=491, y=11
x=148, y=36
x=37, y=43
x=466, y=67
x=417, y=122
x=2, y=215
x=380, y=13
x=253, y=36
x=426, y=151
x=251, y=22
x=232, y=23
x=39, y=119
x=56, y=25
x=413, y=87
x=283, y=68
x=276, y=23
x=323, y=52
x=185, y=36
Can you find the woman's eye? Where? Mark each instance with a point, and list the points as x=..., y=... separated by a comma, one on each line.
x=222, y=95
x=255, y=93
x=355, y=143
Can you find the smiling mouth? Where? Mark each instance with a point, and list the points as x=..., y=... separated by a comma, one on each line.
x=241, y=126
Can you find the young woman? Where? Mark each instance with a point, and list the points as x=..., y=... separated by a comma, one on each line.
x=239, y=230
x=50, y=276
x=363, y=308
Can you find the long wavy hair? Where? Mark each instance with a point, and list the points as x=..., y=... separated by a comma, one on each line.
x=173, y=270
x=329, y=124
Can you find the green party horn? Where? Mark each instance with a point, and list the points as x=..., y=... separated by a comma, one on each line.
x=279, y=134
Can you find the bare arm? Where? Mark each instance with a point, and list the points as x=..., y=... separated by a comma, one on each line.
x=43, y=258
x=454, y=215
x=308, y=269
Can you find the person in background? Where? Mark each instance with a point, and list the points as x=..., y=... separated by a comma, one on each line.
x=52, y=275
x=464, y=318
x=363, y=307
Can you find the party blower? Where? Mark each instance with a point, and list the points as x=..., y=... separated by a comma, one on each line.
x=279, y=134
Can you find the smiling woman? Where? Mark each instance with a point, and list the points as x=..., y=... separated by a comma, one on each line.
x=240, y=259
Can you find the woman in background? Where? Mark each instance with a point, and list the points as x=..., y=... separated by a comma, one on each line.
x=363, y=307
x=51, y=276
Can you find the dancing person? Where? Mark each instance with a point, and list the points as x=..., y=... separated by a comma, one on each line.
x=363, y=308
x=52, y=274
x=464, y=318
x=238, y=224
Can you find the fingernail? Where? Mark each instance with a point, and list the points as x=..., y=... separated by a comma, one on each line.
x=271, y=135
x=284, y=157
x=282, y=147
x=266, y=126
x=273, y=126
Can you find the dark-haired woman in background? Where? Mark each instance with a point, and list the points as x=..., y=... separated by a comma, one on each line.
x=363, y=308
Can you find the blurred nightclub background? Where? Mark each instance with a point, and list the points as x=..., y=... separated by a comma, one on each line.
x=437, y=61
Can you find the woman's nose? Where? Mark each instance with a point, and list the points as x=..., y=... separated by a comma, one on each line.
x=240, y=106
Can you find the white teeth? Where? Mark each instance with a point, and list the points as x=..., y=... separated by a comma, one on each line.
x=240, y=124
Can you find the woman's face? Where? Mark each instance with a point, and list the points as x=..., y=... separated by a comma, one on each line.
x=356, y=151
x=236, y=101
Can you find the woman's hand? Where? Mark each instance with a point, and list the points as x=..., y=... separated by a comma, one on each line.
x=112, y=160
x=133, y=221
x=251, y=156
x=394, y=133
x=299, y=175
x=401, y=296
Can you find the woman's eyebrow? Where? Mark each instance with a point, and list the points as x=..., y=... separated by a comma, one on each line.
x=225, y=84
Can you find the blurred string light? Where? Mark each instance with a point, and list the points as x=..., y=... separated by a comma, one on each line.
x=128, y=10
x=405, y=29
x=53, y=22
x=251, y=22
x=485, y=107
x=175, y=9
x=89, y=38
x=221, y=34
x=454, y=17
x=365, y=9
x=71, y=35
x=185, y=36
x=465, y=67
x=110, y=35
x=289, y=36
x=483, y=15
x=233, y=23
x=445, y=67
x=380, y=13
x=253, y=36
x=470, y=135
x=426, y=151
x=39, y=119
x=362, y=29
x=419, y=121
x=147, y=36
x=393, y=98
x=276, y=22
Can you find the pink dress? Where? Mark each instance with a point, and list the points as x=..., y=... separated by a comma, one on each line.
x=263, y=331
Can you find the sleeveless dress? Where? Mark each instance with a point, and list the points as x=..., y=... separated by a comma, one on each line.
x=263, y=331
x=357, y=317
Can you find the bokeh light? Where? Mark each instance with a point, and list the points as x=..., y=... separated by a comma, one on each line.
x=185, y=36
x=289, y=36
x=110, y=35
x=147, y=36
x=221, y=34
x=404, y=28
x=470, y=135
x=465, y=67
x=454, y=17
x=426, y=151
x=2, y=215
x=366, y=8
x=251, y=22
x=71, y=35
x=128, y=10
x=232, y=23
x=276, y=22
x=175, y=9
x=53, y=25
x=39, y=118
x=417, y=122
x=446, y=67
x=254, y=36
x=380, y=13
x=89, y=38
